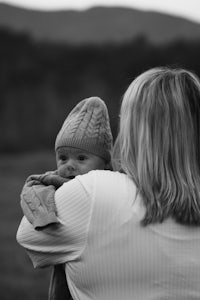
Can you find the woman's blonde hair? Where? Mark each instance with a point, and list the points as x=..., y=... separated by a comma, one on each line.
x=159, y=143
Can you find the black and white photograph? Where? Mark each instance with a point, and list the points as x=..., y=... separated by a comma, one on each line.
x=100, y=149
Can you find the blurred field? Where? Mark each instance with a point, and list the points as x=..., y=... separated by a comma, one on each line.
x=18, y=279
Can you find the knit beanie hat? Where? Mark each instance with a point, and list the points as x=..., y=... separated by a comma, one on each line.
x=87, y=127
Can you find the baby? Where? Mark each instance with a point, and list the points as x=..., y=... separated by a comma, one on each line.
x=83, y=143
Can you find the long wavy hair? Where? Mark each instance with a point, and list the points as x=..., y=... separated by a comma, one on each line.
x=158, y=144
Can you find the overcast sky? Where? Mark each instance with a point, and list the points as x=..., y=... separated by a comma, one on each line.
x=186, y=8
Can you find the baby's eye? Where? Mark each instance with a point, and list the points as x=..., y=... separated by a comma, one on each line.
x=82, y=157
x=63, y=157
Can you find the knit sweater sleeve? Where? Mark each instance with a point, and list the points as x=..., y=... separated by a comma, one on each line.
x=65, y=241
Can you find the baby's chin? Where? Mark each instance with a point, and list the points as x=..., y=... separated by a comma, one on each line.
x=71, y=177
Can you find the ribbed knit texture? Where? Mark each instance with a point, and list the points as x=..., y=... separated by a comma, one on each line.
x=87, y=127
x=108, y=254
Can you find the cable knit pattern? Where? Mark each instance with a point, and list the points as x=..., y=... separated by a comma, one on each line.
x=87, y=127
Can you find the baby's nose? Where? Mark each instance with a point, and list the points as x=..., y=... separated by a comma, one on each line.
x=70, y=165
x=70, y=168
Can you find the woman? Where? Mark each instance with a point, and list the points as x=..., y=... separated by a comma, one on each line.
x=136, y=234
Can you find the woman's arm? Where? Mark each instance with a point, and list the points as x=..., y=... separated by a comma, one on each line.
x=62, y=242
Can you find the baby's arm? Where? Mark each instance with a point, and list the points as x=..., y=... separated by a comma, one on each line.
x=37, y=199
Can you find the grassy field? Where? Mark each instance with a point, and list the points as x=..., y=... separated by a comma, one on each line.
x=18, y=279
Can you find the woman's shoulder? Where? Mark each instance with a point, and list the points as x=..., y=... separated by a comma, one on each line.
x=105, y=175
x=106, y=180
x=112, y=193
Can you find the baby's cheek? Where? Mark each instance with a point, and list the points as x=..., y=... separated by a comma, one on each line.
x=61, y=171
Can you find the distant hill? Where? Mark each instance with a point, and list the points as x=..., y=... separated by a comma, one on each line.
x=98, y=25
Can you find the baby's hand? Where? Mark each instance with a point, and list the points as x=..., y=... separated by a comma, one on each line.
x=37, y=199
x=52, y=178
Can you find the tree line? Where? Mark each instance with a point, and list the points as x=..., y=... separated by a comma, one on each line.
x=41, y=82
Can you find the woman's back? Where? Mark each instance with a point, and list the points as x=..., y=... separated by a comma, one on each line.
x=123, y=259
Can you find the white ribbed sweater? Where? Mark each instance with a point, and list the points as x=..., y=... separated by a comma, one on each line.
x=107, y=253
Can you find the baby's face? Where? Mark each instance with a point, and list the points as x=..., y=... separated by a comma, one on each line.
x=72, y=162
